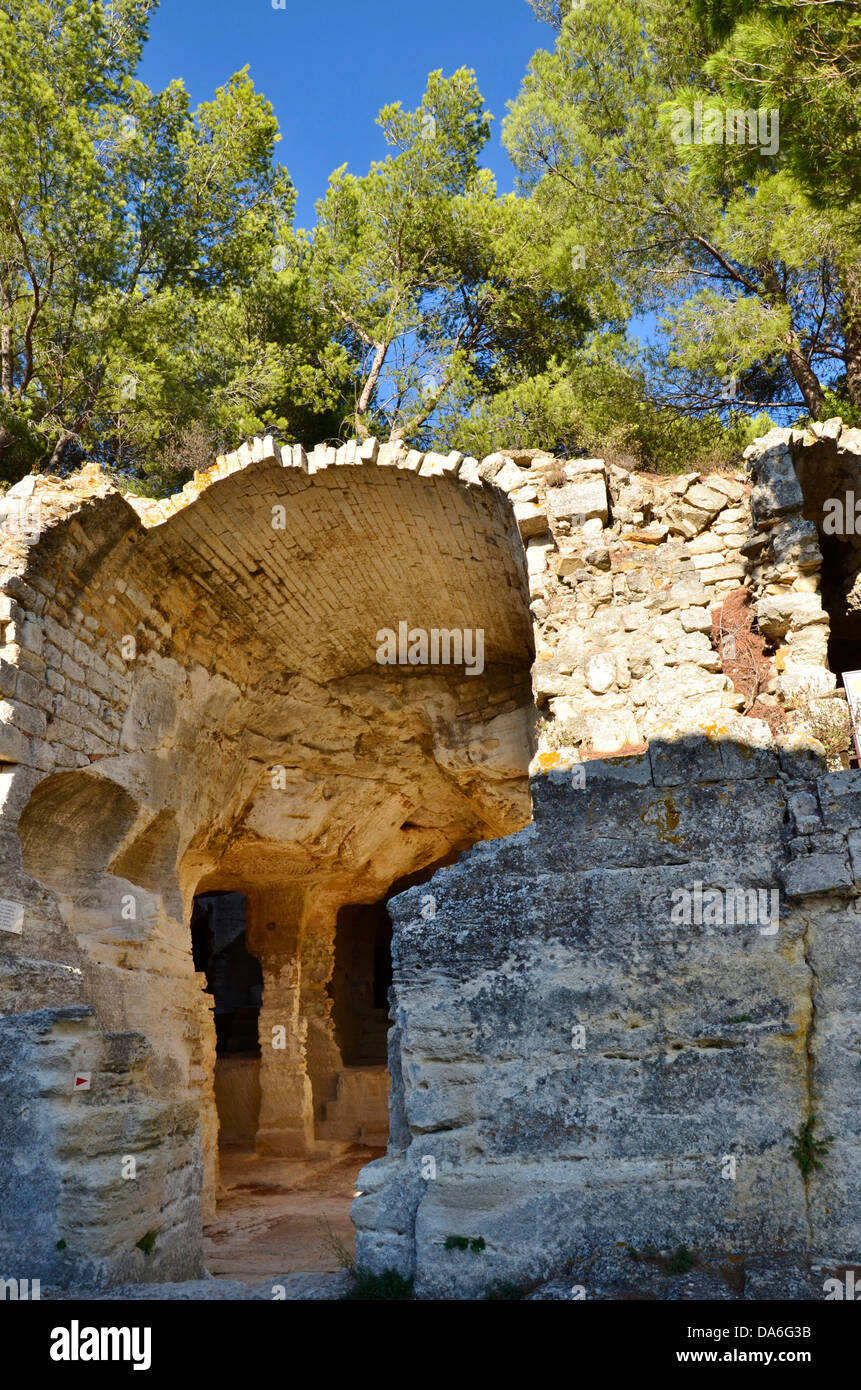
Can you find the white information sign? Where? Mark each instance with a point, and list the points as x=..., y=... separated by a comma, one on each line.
x=11, y=916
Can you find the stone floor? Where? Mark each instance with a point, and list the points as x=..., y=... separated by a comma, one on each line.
x=278, y=1216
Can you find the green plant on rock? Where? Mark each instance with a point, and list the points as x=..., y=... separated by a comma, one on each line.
x=334, y=1245
x=147, y=1242
x=456, y=1243
x=681, y=1261
x=807, y=1151
x=475, y=1243
x=390, y=1285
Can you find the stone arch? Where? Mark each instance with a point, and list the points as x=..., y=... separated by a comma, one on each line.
x=71, y=827
x=195, y=696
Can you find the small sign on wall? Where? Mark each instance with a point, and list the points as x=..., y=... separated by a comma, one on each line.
x=852, y=686
x=11, y=916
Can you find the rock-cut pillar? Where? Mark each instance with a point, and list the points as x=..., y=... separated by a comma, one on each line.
x=286, y=1123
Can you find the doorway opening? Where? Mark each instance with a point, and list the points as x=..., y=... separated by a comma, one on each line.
x=290, y=1213
x=841, y=597
x=356, y=1110
x=234, y=979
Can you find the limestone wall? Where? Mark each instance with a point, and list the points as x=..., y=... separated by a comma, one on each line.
x=702, y=1040
x=191, y=701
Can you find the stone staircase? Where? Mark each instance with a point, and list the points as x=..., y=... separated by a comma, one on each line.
x=359, y=1110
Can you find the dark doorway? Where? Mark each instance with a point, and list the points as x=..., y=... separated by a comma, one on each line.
x=234, y=980
x=233, y=974
x=360, y=982
x=841, y=597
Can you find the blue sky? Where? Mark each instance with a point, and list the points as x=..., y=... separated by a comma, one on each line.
x=328, y=68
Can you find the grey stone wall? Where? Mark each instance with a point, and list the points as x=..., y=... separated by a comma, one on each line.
x=703, y=1041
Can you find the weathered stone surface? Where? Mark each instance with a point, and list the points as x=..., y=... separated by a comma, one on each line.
x=586, y=500
x=255, y=652
x=689, y=759
x=840, y=799
x=777, y=491
x=598, y=557
x=816, y=873
x=600, y=671
x=553, y=1146
x=705, y=499
x=212, y=712
x=777, y=613
x=531, y=519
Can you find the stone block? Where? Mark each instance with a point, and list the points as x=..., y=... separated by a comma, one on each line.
x=689, y=758
x=686, y=520
x=600, y=671
x=795, y=542
x=809, y=682
x=586, y=500
x=815, y=873
x=509, y=477
x=707, y=559
x=696, y=619
x=531, y=519
x=608, y=731
x=777, y=492
x=747, y=754
x=800, y=755
x=730, y=488
x=705, y=499
x=633, y=768
x=722, y=573
x=777, y=613
x=840, y=799
x=804, y=810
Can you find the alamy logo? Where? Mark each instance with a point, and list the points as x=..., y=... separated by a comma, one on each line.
x=842, y=516
x=439, y=647
x=716, y=907
x=713, y=126
x=76, y=1343
x=16, y=1289
x=848, y=1289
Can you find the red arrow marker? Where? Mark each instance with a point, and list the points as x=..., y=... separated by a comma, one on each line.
x=82, y=1080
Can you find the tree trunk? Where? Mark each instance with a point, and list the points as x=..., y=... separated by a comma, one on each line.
x=6, y=355
x=380, y=350
x=59, y=450
x=807, y=381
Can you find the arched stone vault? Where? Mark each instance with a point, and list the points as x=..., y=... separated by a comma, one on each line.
x=191, y=700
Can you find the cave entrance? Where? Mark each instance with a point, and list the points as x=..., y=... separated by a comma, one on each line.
x=284, y=1207
x=234, y=979
x=841, y=598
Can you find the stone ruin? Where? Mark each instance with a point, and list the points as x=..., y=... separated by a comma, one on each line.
x=194, y=707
